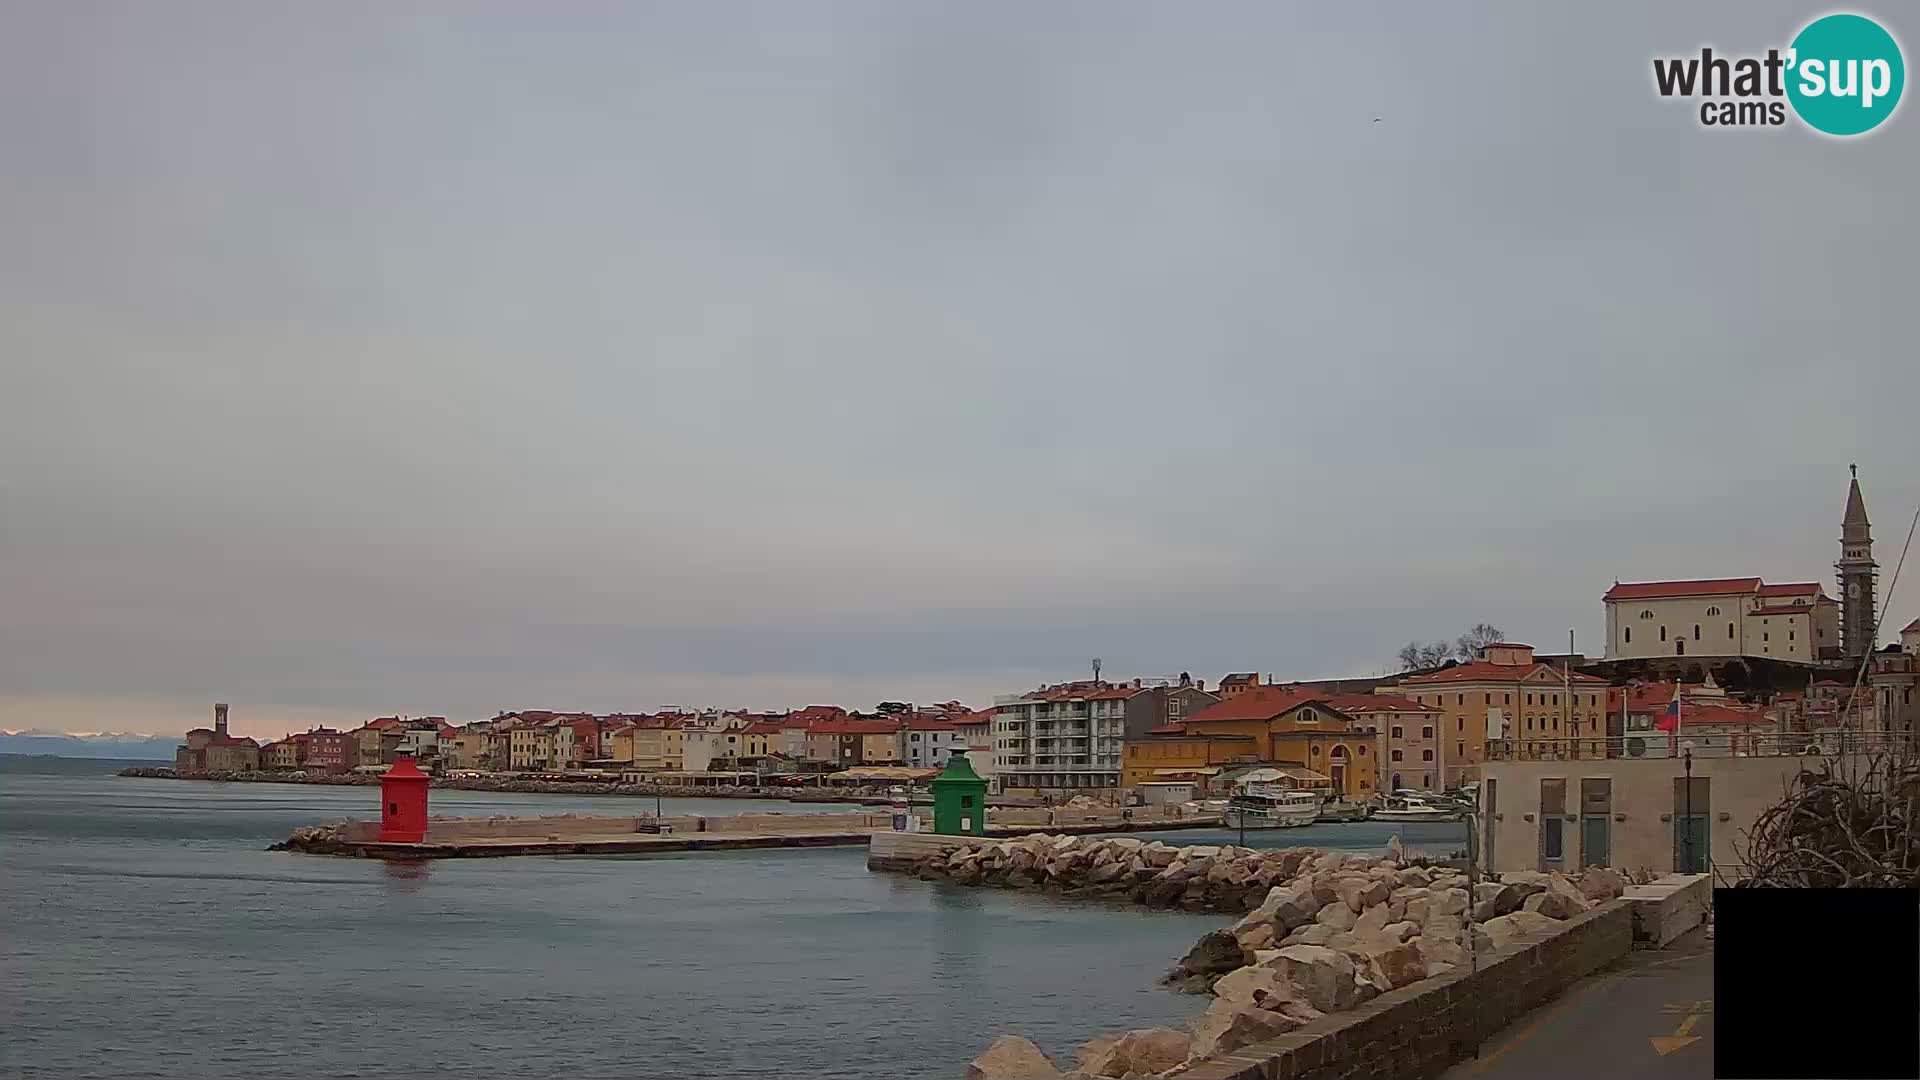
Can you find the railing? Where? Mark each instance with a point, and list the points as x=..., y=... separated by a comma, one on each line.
x=1703, y=743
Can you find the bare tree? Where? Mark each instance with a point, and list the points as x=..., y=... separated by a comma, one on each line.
x=1415, y=655
x=1851, y=822
x=1481, y=635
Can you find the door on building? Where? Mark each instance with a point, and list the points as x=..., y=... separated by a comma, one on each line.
x=1679, y=647
x=1593, y=840
x=1692, y=837
x=1596, y=813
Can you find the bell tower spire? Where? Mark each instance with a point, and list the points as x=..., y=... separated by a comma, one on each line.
x=1858, y=572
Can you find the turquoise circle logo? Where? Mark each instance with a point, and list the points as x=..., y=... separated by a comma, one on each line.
x=1846, y=74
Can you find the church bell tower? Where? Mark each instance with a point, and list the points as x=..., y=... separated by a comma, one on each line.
x=1857, y=574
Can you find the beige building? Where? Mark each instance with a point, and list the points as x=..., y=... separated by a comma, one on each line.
x=1894, y=683
x=1641, y=813
x=1504, y=694
x=1406, y=738
x=1721, y=617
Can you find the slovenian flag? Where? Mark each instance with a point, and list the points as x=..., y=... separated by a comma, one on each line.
x=1670, y=720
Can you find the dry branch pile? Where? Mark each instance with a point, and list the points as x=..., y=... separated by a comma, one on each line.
x=1844, y=825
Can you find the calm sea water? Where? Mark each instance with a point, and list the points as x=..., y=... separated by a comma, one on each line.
x=146, y=933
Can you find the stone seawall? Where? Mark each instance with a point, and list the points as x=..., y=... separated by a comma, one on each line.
x=1421, y=1030
x=1325, y=937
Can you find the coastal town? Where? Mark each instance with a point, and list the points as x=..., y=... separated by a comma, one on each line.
x=1731, y=667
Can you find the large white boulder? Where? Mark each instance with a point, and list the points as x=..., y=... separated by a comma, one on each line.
x=1011, y=1057
x=1324, y=975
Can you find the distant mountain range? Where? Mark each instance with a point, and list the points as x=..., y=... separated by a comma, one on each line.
x=104, y=745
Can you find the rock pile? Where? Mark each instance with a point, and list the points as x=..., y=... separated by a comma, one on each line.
x=315, y=840
x=1224, y=878
x=1327, y=933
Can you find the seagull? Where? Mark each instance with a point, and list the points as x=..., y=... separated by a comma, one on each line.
x=1377, y=119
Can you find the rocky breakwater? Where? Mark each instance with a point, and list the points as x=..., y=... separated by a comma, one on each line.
x=316, y=839
x=1328, y=934
x=1209, y=878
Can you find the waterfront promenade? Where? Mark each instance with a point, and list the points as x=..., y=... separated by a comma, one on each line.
x=500, y=837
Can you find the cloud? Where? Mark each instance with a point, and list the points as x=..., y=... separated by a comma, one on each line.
x=364, y=361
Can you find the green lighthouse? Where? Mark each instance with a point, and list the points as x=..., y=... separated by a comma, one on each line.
x=959, y=799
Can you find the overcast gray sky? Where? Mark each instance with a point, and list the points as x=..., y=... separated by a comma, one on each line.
x=443, y=358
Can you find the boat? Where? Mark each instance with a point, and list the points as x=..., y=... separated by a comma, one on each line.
x=1415, y=808
x=1337, y=809
x=1263, y=806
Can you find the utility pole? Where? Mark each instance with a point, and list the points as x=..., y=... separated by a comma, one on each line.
x=1567, y=713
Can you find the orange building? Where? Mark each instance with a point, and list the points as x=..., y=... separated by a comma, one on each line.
x=1505, y=694
x=1264, y=725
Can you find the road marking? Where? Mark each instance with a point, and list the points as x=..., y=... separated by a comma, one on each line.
x=1682, y=1036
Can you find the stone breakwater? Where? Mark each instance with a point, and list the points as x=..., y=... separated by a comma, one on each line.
x=1322, y=934
x=865, y=795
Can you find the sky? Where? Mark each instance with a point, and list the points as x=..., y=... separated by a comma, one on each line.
x=437, y=358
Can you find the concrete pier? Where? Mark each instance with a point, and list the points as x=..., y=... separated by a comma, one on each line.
x=486, y=838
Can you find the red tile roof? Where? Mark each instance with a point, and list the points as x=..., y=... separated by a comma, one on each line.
x=1257, y=703
x=1691, y=714
x=1488, y=671
x=1792, y=588
x=1912, y=627
x=763, y=727
x=854, y=727
x=931, y=723
x=1362, y=703
x=1662, y=590
x=1240, y=677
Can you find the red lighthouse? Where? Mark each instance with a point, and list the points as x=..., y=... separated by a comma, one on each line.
x=403, y=803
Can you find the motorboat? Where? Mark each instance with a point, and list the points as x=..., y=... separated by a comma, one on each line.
x=1415, y=808
x=1338, y=809
x=1263, y=806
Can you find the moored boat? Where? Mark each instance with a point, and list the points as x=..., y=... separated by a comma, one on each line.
x=1262, y=806
x=1344, y=810
x=1414, y=808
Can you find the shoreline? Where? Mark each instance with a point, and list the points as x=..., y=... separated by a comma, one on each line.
x=858, y=796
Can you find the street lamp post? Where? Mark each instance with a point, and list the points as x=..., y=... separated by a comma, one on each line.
x=1686, y=808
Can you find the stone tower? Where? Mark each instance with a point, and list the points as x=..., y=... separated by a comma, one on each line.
x=1857, y=574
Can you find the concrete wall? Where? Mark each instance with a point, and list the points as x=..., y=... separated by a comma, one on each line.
x=1641, y=827
x=444, y=830
x=1420, y=1030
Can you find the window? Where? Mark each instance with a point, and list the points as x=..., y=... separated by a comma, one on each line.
x=1529, y=723
x=1426, y=733
x=1506, y=699
x=1426, y=755
x=1714, y=610
x=1529, y=699
x=1462, y=699
x=1363, y=750
x=1556, y=699
x=1489, y=700
x=1629, y=633
x=1763, y=636
x=1789, y=635
x=1696, y=631
x=1459, y=750
x=1397, y=730
x=1729, y=631
x=1647, y=614
x=1663, y=633
x=1394, y=755
x=1460, y=723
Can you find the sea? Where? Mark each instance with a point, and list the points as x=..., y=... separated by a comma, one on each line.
x=146, y=932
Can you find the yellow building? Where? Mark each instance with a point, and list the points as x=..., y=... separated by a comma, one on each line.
x=1269, y=725
x=1505, y=694
x=1173, y=756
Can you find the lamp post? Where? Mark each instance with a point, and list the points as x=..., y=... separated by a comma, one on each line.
x=1686, y=808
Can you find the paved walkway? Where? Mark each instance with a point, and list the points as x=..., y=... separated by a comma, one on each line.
x=1651, y=1015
